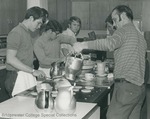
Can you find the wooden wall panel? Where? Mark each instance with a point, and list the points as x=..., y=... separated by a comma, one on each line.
x=19, y=10
x=61, y=10
x=81, y=10
x=135, y=5
x=99, y=10
x=4, y=20
x=69, y=8
x=146, y=16
x=52, y=8
x=11, y=12
x=92, y=12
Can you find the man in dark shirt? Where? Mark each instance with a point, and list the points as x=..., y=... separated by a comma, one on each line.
x=20, y=71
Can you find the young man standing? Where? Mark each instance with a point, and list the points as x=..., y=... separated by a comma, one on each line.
x=20, y=73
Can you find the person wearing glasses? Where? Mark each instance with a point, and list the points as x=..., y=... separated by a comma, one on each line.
x=47, y=47
x=109, y=25
x=129, y=48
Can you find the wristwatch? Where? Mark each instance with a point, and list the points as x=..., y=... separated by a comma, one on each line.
x=33, y=71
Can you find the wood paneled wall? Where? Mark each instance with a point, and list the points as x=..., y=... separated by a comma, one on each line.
x=11, y=13
x=59, y=9
x=92, y=12
x=146, y=16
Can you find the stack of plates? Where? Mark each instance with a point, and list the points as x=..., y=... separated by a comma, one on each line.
x=87, y=89
x=88, y=64
x=87, y=67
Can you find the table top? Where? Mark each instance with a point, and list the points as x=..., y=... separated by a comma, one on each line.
x=99, y=90
x=106, y=81
x=23, y=107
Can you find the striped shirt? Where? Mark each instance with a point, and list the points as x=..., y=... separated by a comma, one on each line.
x=129, y=48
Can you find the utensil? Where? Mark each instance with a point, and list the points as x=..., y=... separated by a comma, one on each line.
x=101, y=68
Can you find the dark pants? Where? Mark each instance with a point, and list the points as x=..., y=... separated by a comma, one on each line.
x=146, y=105
x=148, y=100
x=11, y=77
x=126, y=101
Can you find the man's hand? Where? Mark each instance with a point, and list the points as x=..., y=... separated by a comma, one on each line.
x=78, y=46
x=39, y=74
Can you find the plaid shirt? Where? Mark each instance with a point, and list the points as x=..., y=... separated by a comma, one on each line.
x=129, y=48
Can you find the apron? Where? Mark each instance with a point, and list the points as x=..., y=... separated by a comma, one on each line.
x=23, y=82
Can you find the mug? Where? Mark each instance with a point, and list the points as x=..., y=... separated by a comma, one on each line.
x=101, y=68
x=89, y=76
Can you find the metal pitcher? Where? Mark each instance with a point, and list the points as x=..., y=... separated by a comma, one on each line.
x=73, y=66
x=56, y=69
x=44, y=100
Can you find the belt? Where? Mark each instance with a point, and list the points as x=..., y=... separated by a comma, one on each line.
x=120, y=80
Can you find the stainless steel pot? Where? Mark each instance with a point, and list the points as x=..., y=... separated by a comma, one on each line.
x=73, y=66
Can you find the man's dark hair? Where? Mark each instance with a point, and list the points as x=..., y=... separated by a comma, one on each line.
x=123, y=8
x=36, y=12
x=109, y=19
x=46, y=15
x=54, y=25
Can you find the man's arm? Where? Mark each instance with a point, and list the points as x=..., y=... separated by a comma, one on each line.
x=15, y=62
x=108, y=44
x=66, y=39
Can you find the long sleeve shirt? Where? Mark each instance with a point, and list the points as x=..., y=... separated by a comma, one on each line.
x=129, y=48
x=48, y=51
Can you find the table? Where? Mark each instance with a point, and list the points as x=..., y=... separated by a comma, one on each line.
x=101, y=94
x=20, y=107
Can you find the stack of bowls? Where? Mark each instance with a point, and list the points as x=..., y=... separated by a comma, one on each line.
x=87, y=67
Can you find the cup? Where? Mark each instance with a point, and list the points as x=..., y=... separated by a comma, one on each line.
x=99, y=80
x=89, y=76
x=101, y=68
